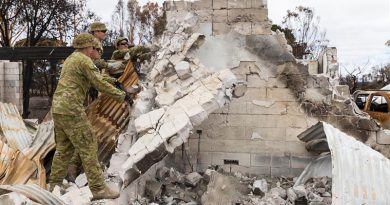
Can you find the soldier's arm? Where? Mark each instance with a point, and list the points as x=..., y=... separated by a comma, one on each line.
x=98, y=82
x=101, y=64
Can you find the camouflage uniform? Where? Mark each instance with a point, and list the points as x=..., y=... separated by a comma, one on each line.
x=72, y=129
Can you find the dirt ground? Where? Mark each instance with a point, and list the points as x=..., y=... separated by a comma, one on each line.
x=39, y=107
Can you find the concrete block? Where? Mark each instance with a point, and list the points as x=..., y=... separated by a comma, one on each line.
x=227, y=77
x=243, y=146
x=2, y=69
x=220, y=4
x=247, y=15
x=215, y=120
x=261, y=160
x=280, y=161
x=292, y=133
x=237, y=106
x=205, y=15
x=148, y=120
x=183, y=70
x=236, y=119
x=244, y=67
x=280, y=94
x=81, y=180
x=261, y=120
x=259, y=171
x=12, y=77
x=277, y=108
x=296, y=172
x=259, y=3
x=300, y=161
x=297, y=148
x=270, y=134
x=239, y=4
x=180, y=5
x=244, y=28
x=255, y=94
x=220, y=16
x=228, y=133
x=194, y=111
x=205, y=145
x=202, y=4
x=280, y=171
x=275, y=147
x=242, y=158
x=261, y=28
x=220, y=28
x=292, y=121
x=175, y=59
x=254, y=81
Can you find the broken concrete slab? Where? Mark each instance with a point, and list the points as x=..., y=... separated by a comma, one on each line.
x=260, y=187
x=183, y=70
x=193, y=178
x=153, y=189
x=148, y=120
x=81, y=180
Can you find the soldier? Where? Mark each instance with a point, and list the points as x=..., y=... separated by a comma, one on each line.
x=72, y=129
x=98, y=30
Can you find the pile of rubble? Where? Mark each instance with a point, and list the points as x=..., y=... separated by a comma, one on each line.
x=171, y=187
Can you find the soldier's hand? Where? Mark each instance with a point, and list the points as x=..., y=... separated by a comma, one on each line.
x=119, y=85
x=129, y=99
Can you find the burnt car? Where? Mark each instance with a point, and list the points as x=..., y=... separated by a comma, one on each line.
x=375, y=103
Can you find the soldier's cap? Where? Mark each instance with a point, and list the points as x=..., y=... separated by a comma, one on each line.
x=120, y=39
x=84, y=40
x=97, y=26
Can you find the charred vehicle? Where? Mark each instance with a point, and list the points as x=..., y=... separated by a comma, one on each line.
x=375, y=103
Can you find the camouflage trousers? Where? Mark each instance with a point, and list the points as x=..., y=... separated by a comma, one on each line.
x=73, y=135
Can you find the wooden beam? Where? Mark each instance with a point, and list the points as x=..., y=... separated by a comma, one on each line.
x=43, y=53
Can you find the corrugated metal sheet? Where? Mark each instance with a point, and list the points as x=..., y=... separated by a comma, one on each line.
x=315, y=138
x=43, y=143
x=15, y=168
x=109, y=118
x=360, y=174
x=13, y=127
x=33, y=192
x=27, y=167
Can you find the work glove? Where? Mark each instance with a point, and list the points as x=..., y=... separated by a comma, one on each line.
x=129, y=99
x=116, y=65
x=119, y=85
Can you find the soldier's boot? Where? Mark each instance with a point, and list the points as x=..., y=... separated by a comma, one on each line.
x=60, y=185
x=108, y=192
x=72, y=173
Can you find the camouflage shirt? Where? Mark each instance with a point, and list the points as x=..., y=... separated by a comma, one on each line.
x=78, y=74
x=137, y=52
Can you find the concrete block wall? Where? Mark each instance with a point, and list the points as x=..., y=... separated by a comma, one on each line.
x=247, y=17
x=11, y=83
x=256, y=134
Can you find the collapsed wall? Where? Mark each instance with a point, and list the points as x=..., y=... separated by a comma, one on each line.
x=256, y=133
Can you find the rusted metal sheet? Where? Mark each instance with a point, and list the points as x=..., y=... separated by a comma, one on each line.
x=43, y=144
x=15, y=168
x=13, y=127
x=109, y=117
x=33, y=192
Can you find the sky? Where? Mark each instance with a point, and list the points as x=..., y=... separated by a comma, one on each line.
x=358, y=29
